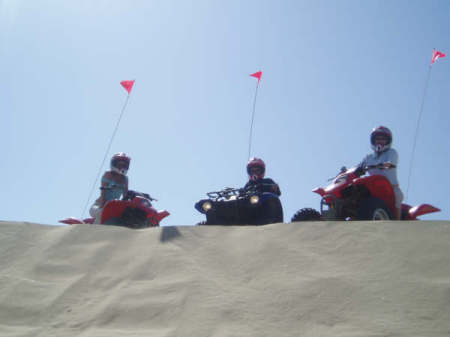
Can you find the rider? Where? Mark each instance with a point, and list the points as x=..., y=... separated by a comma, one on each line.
x=114, y=184
x=256, y=168
x=387, y=158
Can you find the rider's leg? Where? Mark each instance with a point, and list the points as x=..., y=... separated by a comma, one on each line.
x=398, y=202
x=96, y=212
x=398, y=213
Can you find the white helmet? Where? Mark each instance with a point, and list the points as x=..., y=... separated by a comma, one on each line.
x=381, y=131
x=120, y=163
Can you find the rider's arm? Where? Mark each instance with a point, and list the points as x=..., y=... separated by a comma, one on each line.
x=391, y=160
x=276, y=189
x=388, y=165
x=363, y=162
x=126, y=186
x=272, y=187
x=360, y=167
x=101, y=199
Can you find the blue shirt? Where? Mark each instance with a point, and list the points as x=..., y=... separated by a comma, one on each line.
x=113, y=190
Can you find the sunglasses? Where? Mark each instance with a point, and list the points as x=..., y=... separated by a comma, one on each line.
x=256, y=170
x=121, y=164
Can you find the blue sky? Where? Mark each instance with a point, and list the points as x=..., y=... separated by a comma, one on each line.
x=332, y=70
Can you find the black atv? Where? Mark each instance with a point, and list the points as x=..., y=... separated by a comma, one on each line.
x=249, y=206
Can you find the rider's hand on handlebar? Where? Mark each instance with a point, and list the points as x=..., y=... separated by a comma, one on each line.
x=381, y=166
x=360, y=171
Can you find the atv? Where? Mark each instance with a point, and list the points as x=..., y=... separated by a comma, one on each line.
x=249, y=206
x=135, y=210
x=353, y=196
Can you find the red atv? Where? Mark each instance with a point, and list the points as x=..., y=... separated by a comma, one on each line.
x=352, y=196
x=135, y=210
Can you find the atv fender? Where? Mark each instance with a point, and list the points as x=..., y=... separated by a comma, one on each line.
x=419, y=210
x=75, y=221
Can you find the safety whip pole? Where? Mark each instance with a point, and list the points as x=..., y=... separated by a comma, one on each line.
x=436, y=55
x=128, y=85
x=258, y=76
x=416, y=132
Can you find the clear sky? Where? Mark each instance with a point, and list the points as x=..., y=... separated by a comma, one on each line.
x=332, y=70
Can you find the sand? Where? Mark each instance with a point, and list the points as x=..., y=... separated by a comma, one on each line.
x=301, y=279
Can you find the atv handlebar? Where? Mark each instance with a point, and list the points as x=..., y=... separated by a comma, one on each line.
x=361, y=170
x=380, y=166
x=131, y=194
x=226, y=193
x=229, y=192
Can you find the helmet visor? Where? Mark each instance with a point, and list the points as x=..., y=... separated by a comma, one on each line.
x=258, y=170
x=121, y=164
x=380, y=137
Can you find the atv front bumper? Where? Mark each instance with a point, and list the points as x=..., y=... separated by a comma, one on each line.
x=255, y=210
x=331, y=208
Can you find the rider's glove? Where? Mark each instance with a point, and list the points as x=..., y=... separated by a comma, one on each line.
x=359, y=171
x=129, y=195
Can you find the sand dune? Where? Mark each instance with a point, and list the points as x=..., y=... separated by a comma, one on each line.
x=310, y=279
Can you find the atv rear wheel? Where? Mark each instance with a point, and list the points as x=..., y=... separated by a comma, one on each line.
x=373, y=209
x=307, y=214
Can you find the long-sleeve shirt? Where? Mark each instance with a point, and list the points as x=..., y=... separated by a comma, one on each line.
x=389, y=156
x=270, y=184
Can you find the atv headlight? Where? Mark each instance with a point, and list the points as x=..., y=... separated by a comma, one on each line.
x=233, y=197
x=206, y=206
x=254, y=199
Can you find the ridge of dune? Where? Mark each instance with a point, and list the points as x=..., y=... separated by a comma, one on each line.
x=299, y=279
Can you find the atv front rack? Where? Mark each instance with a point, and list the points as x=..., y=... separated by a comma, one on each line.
x=226, y=194
x=229, y=193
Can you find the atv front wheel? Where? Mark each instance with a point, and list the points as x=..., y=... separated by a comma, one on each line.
x=373, y=209
x=306, y=214
x=273, y=211
x=115, y=221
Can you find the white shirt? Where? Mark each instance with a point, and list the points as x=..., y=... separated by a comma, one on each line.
x=388, y=156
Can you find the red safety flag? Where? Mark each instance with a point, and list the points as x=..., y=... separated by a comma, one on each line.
x=258, y=75
x=436, y=54
x=128, y=85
